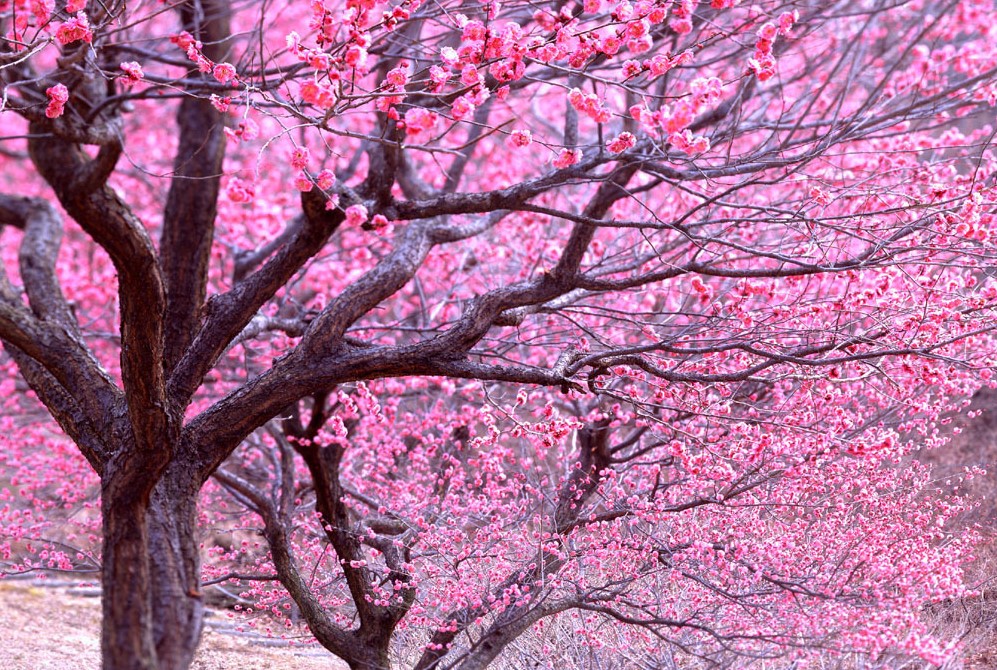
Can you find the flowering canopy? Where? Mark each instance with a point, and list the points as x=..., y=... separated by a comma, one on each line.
x=552, y=329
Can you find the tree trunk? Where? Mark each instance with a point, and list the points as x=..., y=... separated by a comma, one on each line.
x=369, y=658
x=126, y=633
x=177, y=605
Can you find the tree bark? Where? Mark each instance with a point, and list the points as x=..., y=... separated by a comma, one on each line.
x=126, y=634
x=177, y=604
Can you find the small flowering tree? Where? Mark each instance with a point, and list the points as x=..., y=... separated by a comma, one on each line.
x=500, y=322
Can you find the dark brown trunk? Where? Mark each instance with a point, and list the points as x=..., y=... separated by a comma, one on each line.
x=126, y=634
x=369, y=658
x=177, y=605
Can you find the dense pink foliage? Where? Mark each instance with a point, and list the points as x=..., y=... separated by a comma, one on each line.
x=704, y=447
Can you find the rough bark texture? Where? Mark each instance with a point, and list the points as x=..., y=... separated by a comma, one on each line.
x=127, y=634
x=176, y=568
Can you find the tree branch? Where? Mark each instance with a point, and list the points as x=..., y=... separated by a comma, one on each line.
x=191, y=205
x=228, y=314
x=111, y=223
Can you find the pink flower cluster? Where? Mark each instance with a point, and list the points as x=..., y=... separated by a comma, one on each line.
x=519, y=139
x=192, y=48
x=589, y=104
x=356, y=215
x=689, y=143
x=58, y=95
x=681, y=21
x=418, y=119
x=464, y=106
x=567, y=158
x=319, y=95
x=674, y=120
x=224, y=72
x=763, y=62
x=133, y=72
x=239, y=190
x=621, y=143
x=74, y=30
x=299, y=161
x=661, y=63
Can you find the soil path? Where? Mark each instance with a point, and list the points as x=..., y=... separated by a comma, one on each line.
x=45, y=628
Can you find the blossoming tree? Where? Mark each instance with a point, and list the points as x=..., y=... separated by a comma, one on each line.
x=499, y=319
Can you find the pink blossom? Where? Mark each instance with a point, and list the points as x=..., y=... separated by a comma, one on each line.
x=246, y=130
x=507, y=70
x=240, y=191
x=75, y=29
x=221, y=104
x=58, y=95
x=681, y=26
x=42, y=9
x=224, y=72
x=623, y=11
x=356, y=215
x=319, y=60
x=474, y=31
x=645, y=116
x=469, y=53
x=820, y=196
x=589, y=104
x=637, y=29
x=462, y=108
x=398, y=76
x=438, y=76
x=611, y=45
x=317, y=94
x=195, y=55
x=520, y=139
x=293, y=42
x=787, y=20
x=73, y=6
x=356, y=57
x=639, y=45
x=678, y=117
x=299, y=158
x=133, y=71
x=662, y=63
x=325, y=179
x=303, y=183
x=418, y=119
x=567, y=158
x=631, y=69
x=763, y=66
x=184, y=40
x=705, y=91
x=657, y=15
x=689, y=143
x=469, y=75
x=449, y=56
x=621, y=143
x=768, y=31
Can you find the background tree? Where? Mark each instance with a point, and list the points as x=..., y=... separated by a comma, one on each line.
x=735, y=256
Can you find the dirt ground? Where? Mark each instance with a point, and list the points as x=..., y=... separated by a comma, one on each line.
x=44, y=628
